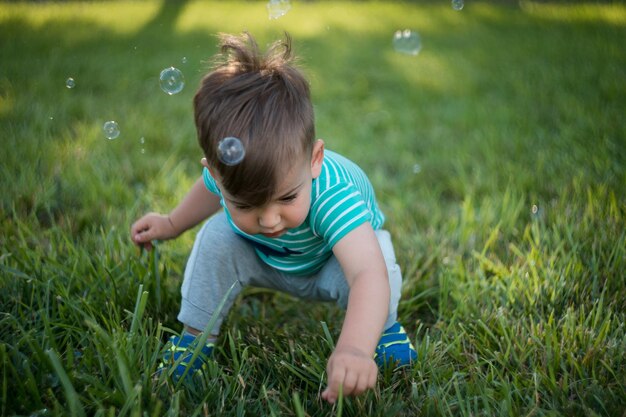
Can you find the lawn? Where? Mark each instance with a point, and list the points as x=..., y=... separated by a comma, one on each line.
x=498, y=154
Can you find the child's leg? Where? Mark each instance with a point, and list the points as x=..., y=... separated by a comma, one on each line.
x=331, y=284
x=395, y=275
x=218, y=259
x=394, y=346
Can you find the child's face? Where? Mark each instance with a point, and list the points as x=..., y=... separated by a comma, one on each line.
x=288, y=208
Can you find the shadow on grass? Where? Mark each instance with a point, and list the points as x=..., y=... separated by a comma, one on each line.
x=166, y=18
x=392, y=112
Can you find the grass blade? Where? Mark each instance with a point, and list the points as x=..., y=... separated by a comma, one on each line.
x=76, y=409
x=202, y=338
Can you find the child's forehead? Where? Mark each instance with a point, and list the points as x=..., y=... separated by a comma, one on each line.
x=290, y=179
x=292, y=176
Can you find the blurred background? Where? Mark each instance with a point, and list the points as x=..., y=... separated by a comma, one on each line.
x=493, y=132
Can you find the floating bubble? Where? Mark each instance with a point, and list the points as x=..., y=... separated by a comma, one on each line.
x=278, y=8
x=230, y=151
x=407, y=42
x=417, y=168
x=52, y=380
x=184, y=60
x=70, y=83
x=458, y=4
x=536, y=213
x=111, y=130
x=171, y=80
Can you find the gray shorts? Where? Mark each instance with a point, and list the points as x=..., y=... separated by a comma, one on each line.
x=220, y=258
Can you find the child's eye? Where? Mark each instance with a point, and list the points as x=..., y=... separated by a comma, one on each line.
x=243, y=207
x=288, y=199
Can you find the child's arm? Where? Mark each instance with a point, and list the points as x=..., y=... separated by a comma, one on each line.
x=351, y=365
x=198, y=205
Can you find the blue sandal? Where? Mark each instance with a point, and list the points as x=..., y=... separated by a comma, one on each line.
x=180, y=352
x=395, y=347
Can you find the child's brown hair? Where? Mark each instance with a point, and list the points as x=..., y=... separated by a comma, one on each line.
x=265, y=102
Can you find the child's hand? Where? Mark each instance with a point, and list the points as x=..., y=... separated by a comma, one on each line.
x=151, y=227
x=351, y=369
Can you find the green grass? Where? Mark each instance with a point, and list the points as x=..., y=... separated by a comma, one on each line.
x=511, y=234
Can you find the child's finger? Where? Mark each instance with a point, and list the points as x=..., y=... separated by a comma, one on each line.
x=350, y=383
x=329, y=396
x=144, y=235
x=142, y=224
x=335, y=381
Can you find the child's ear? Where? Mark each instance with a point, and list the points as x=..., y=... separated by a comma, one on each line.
x=317, y=157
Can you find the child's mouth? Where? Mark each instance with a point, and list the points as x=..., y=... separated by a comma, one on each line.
x=275, y=234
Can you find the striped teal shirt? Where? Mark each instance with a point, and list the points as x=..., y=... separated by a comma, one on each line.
x=342, y=198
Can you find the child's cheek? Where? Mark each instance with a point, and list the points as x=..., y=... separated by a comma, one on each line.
x=243, y=222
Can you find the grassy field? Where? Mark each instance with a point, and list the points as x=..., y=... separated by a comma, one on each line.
x=498, y=154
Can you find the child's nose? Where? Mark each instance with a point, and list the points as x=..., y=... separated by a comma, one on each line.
x=269, y=218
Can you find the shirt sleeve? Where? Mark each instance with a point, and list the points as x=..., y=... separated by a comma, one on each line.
x=337, y=211
x=209, y=182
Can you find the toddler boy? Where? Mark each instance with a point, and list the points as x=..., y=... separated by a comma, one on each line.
x=295, y=217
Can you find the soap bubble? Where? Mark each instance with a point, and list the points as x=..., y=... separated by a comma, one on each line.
x=278, y=8
x=458, y=4
x=184, y=60
x=171, y=80
x=536, y=213
x=407, y=42
x=70, y=83
x=417, y=168
x=111, y=130
x=230, y=151
x=142, y=141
